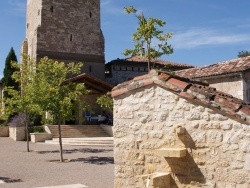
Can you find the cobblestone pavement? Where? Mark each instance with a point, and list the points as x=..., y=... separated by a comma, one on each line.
x=90, y=166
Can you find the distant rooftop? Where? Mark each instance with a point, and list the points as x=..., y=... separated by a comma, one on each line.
x=221, y=68
x=141, y=59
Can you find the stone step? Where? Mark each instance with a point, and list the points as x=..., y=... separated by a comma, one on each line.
x=88, y=141
x=66, y=186
x=76, y=131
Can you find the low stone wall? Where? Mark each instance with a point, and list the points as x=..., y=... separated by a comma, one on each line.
x=158, y=135
x=4, y=131
x=40, y=137
x=17, y=133
x=108, y=129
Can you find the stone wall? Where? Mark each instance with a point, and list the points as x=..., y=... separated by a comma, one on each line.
x=150, y=118
x=33, y=21
x=121, y=74
x=66, y=30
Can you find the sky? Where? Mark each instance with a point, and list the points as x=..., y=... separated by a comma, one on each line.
x=204, y=31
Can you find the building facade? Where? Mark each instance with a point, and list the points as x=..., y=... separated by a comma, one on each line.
x=68, y=31
x=122, y=70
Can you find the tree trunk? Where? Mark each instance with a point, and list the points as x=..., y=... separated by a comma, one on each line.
x=60, y=137
x=27, y=131
x=149, y=58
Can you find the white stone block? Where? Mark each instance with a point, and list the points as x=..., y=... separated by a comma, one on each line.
x=171, y=152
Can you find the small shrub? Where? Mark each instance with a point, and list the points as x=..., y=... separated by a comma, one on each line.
x=18, y=120
x=3, y=122
x=36, y=129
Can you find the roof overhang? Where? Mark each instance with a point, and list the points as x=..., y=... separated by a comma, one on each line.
x=91, y=82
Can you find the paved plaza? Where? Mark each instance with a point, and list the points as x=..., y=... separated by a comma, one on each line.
x=91, y=167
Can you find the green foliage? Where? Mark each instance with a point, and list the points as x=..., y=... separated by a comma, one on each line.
x=106, y=102
x=148, y=32
x=36, y=129
x=22, y=101
x=8, y=81
x=54, y=92
x=44, y=87
x=244, y=54
x=3, y=122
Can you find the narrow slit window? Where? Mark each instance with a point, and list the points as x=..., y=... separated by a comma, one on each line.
x=71, y=38
x=90, y=14
x=90, y=68
x=51, y=9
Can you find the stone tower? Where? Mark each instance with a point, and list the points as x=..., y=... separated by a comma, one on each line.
x=67, y=31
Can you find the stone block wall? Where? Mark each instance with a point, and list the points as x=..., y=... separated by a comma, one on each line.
x=123, y=76
x=151, y=118
x=68, y=31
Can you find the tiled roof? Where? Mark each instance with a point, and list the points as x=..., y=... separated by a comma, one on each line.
x=225, y=67
x=141, y=59
x=194, y=92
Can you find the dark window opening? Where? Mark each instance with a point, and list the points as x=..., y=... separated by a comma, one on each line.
x=27, y=25
x=90, y=14
x=71, y=37
x=51, y=9
x=90, y=68
x=38, y=12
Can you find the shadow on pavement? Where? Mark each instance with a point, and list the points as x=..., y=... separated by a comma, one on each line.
x=85, y=150
x=95, y=160
x=9, y=180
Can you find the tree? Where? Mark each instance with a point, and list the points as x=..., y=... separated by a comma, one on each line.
x=8, y=81
x=244, y=54
x=148, y=32
x=106, y=102
x=55, y=93
x=23, y=101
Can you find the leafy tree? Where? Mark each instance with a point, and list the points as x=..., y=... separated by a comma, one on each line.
x=8, y=81
x=23, y=101
x=244, y=54
x=148, y=31
x=55, y=93
x=106, y=102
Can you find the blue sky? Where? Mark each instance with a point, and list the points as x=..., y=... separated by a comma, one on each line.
x=204, y=32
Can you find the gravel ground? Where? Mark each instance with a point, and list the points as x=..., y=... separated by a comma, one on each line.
x=90, y=166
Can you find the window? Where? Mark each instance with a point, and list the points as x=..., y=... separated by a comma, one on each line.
x=51, y=9
x=71, y=37
x=38, y=13
x=123, y=68
x=90, y=14
x=90, y=68
x=129, y=68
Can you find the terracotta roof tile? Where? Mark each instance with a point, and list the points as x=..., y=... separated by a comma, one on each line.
x=178, y=83
x=194, y=92
x=225, y=67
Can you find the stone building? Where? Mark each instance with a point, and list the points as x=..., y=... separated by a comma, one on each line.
x=232, y=77
x=121, y=70
x=67, y=31
x=171, y=132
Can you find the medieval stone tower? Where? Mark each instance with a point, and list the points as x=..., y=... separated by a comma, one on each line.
x=66, y=30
